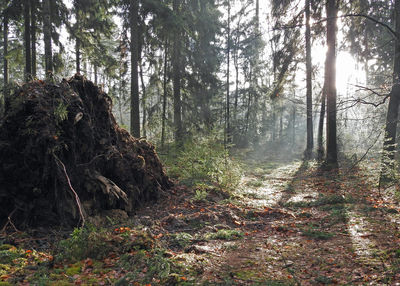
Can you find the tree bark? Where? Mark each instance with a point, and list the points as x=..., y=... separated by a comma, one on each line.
x=27, y=42
x=143, y=99
x=164, y=104
x=310, y=134
x=5, y=62
x=48, y=53
x=134, y=23
x=33, y=36
x=228, y=51
x=393, y=108
x=176, y=66
x=330, y=85
x=320, y=149
x=77, y=44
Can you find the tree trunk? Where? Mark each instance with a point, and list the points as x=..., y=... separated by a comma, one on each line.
x=95, y=73
x=48, y=53
x=77, y=44
x=330, y=85
x=6, y=92
x=320, y=150
x=228, y=52
x=310, y=134
x=27, y=37
x=176, y=66
x=135, y=116
x=164, y=105
x=33, y=36
x=393, y=108
x=143, y=99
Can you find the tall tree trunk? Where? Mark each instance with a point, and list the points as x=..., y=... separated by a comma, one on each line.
x=77, y=44
x=164, y=103
x=33, y=35
x=134, y=23
x=95, y=73
x=310, y=134
x=176, y=67
x=143, y=99
x=320, y=149
x=393, y=108
x=330, y=85
x=27, y=42
x=228, y=52
x=48, y=52
x=5, y=63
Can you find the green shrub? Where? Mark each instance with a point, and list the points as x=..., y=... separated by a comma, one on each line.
x=205, y=161
x=86, y=242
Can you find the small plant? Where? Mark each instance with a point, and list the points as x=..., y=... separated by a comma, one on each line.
x=61, y=112
x=201, y=192
x=83, y=243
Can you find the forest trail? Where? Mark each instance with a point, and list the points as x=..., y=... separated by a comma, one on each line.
x=288, y=224
x=299, y=227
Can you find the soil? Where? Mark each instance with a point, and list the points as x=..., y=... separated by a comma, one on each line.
x=64, y=158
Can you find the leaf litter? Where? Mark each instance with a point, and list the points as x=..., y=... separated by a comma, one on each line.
x=312, y=229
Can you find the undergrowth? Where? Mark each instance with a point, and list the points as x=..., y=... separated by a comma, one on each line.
x=204, y=161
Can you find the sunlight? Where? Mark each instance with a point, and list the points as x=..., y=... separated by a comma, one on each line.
x=357, y=228
x=348, y=73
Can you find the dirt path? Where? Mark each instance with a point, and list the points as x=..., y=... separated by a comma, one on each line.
x=290, y=226
x=287, y=225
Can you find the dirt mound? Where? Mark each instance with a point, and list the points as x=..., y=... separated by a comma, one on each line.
x=63, y=157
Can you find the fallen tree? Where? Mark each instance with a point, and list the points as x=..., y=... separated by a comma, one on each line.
x=64, y=157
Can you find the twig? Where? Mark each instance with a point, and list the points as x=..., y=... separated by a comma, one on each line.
x=78, y=202
x=10, y=222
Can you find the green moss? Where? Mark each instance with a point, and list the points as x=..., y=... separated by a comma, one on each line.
x=225, y=234
x=6, y=246
x=74, y=269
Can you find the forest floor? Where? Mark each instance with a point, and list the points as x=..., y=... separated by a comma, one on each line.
x=288, y=224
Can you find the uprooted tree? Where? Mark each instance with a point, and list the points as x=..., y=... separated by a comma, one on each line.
x=64, y=157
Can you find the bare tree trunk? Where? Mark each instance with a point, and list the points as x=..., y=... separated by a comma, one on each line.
x=48, y=53
x=27, y=37
x=228, y=52
x=33, y=36
x=320, y=150
x=143, y=99
x=310, y=133
x=134, y=23
x=164, y=104
x=77, y=44
x=393, y=108
x=95, y=73
x=176, y=67
x=5, y=63
x=330, y=85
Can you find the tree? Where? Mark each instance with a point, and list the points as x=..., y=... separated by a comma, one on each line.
x=134, y=47
x=330, y=84
x=34, y=10
x=310, y=134
x=27, y=42
x=393, y=108
x=228, y=53
x=6, y=92
x=176, y=70
x=48, y=53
